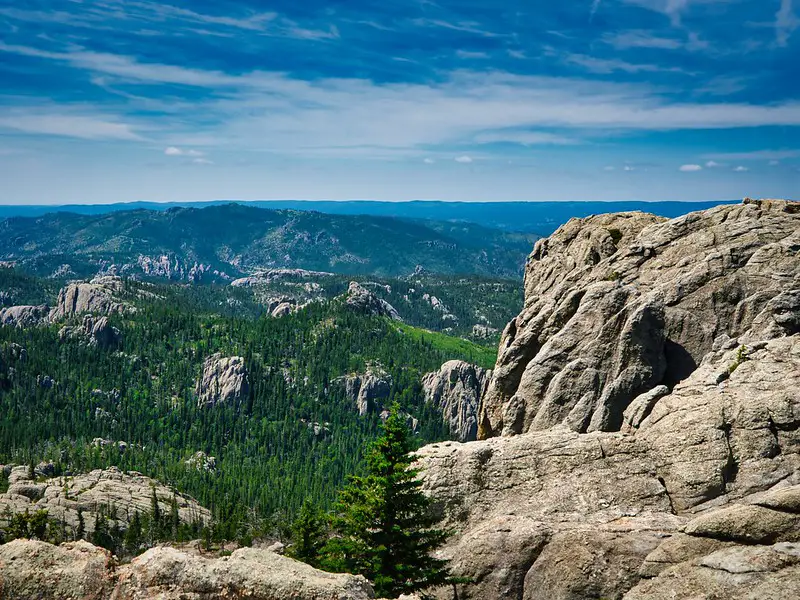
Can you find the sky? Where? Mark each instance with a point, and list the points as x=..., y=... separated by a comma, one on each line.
x=115, y=101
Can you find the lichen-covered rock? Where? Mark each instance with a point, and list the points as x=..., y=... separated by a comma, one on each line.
x=618, y=304
x=361, y=299
x=30, y=569
x=225, y=380
x=456, y=390
x=61, y=497
x=24, y=316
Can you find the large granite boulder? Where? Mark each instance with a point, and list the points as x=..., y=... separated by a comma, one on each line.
x=618, y=304
x=455, y=390
x=612, y=479
x=94, y=330
x=224, y=380
x=62, y=497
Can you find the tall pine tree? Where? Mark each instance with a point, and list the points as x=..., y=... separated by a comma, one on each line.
x=308, y=534
x=385, y=528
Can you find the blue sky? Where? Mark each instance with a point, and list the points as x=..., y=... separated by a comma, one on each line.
x=108, y=101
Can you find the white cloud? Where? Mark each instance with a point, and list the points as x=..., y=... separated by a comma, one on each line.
x=774, y=163
x=466, y=54
x=756, y=155
x=741, y=169
x=463, y=159
x=785, y=23
x=712, y=163
x=59, y=121
x=202, y=161
x=691, y=168
x=429, y=161
x=595, y=7
x=609, y=168
x=628, y=168
x=271, y=111
x=175, y=151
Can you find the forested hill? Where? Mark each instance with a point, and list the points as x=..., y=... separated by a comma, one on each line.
x=228, y=241
x=284, y=421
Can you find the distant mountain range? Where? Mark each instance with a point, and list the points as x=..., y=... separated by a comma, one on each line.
x=221, y=242
x=540, y=218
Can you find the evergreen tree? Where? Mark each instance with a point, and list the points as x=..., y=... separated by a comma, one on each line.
x=383, y=520
x=174, y=517
x=81, y=531
x=308, y=534
x=101, y=535
x=133, y=536
x=155, y=517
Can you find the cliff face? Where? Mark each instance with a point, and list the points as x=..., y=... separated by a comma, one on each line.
x=642, y=425
x=618, y=304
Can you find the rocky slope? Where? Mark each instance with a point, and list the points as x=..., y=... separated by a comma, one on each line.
x=78, y=571
x=224, y=380
x=648, y=398
x=92, y=492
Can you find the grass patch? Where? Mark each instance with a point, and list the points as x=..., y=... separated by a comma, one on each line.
x=457, y=348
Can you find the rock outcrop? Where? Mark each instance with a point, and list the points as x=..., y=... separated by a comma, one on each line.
x=24, y=316
x=455, y=391
x=225, y=380
x=79, y=570
x=94, y=330
x=95, y=297
x=368, y=390
x=616, y=305
x=361, y=299
x=649, y=401
x=92, y=492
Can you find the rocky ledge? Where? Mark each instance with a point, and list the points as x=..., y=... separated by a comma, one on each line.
x=78, y=570
x=62, y=497
x=642, y=425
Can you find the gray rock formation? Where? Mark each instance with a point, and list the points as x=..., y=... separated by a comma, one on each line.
x=272, y=275
x=79, y=570
x=455, y=391
x=62, y=496
x=24, y=316
x=94, y=330
x=224, y=381
x=698, y=495
x=361, y=299
x=368, y=390
x=95, y=296
x=618, y=304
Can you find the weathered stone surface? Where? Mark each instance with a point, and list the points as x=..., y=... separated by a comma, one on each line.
x=738, y=573
x=224, y=381
x=167, y=573
x=368, y=390
x=24, y=316
x=455, y=390
x=361, y=299
x=95, y=296
x=31, y=569
x=62, y=496
x=703, y=476
x=79, y=571
x=618, y=304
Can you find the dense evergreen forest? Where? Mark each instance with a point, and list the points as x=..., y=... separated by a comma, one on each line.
x=295, y=435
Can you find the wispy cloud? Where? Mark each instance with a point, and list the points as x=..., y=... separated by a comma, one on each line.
x=782, y=154
x=174, y=151
x=741, y=169
x=785, y=23
x=690, y=168
x=463, y=159
x=49, y=121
